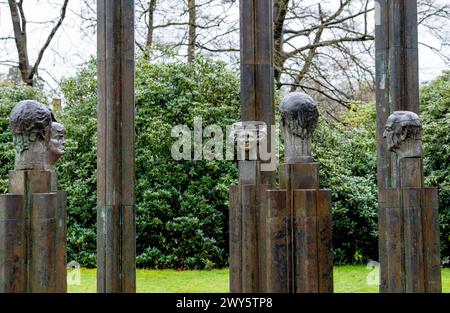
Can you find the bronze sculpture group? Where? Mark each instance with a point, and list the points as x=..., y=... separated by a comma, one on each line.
x=297, y=241
x=280, y=235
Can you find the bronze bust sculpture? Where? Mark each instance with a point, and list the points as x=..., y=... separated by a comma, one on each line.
x=30, y=123
x=403, y=134
x=299, y=117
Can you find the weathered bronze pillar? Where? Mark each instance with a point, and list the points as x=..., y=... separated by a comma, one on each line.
x=403, y=218
x=115, y=156
x=247, y=210
x=408, y=215
x=397, y=71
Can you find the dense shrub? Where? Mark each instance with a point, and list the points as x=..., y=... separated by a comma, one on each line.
x=435, y=114
x=347, y=156
x=182, y=206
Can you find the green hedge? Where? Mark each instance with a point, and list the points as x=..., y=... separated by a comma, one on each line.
x=347, y=155
x=182, y=206
x=435, y=114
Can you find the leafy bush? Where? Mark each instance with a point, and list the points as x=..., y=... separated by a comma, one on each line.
x=182, y=206
x=435, y=114
x=347, y=156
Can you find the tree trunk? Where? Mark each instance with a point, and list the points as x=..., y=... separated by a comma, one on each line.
x=192, y=30
x=19, y=22
x=151, y=12
x=280, y=11
x=20, y=35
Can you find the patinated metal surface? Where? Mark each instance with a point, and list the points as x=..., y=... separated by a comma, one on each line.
x=279, y=242
x=409, y=233
x=396, y=73
x=248, y=208
x=299, y=235
x=13, y=247
x=430, y=233
x=33, y=215
x=115, y=155
x=408, y=215
x=61, y=240
x=42, y=261
x=38, y=229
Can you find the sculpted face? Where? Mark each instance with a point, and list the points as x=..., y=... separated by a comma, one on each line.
x=57, y=142
x=392, y=133
x=403, y=134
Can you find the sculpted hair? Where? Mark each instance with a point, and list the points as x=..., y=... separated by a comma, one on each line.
x=299, y=113
x=410, y=121
x=30, y=116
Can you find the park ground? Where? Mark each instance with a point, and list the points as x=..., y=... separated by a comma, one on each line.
x=347, y=279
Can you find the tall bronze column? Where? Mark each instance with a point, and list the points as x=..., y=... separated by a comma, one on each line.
x=397, y=73
x=247, y=211
x=116, y=243
x=407, y=214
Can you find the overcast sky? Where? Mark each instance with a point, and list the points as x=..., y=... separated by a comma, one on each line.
x=74, y=45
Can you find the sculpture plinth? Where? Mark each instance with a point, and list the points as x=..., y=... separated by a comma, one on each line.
x=247, y=229
x=298, y=220
x=408, y=215
x=299, y=237
x=33, y=213
x=409, y=233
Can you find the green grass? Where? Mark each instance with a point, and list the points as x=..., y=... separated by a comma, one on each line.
x=349, y=278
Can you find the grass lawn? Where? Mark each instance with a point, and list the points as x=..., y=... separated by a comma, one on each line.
x=349, y=278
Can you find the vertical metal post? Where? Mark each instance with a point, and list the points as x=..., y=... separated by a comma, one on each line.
x=397, y=73
x=116, y=246
x=248, y=248
x=256, y=35
x=396, y=46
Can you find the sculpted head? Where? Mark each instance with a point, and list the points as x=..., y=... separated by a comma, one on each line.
x=299, y=118
x=402, y=132
x=56, y=143
x=299, y=114
x=30, y=124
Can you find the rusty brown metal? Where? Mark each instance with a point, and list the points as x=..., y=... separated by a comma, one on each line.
x=412, y=238
x=299, y=237
x=33, y=181
x=42, y=269
x=13, y=274
x=409, y=233
x=235, y=239
x=431, y=251
x=248, y=219
x=397, y=83
x=115, y=156
x=279, y=242
x=34, y=225
x=301, y=175
x=61, y=240
x=324, y=241
x=407, y=221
